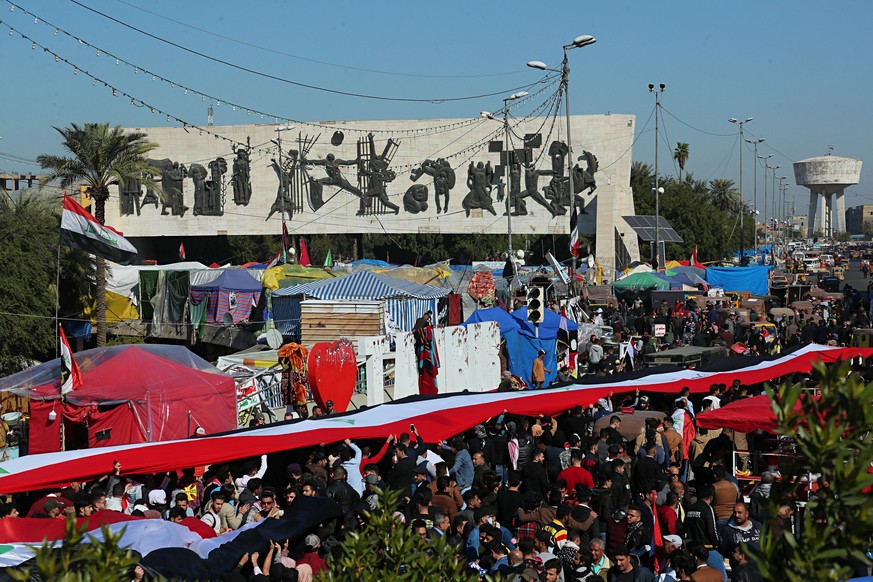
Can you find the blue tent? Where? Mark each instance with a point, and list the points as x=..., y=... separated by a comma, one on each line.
x=233, y=280
x=521, y=345
x=548, y=329
x=752, y=279
x=233, y=292
x=508, y=324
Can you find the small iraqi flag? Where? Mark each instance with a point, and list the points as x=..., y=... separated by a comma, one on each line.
x=71, y=377
x=574, y=233
x=82, y=231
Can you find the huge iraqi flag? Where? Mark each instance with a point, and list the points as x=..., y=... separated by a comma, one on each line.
x=80, y=230
x=436, y=417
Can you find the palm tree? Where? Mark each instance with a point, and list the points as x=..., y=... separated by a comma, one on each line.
x=100, y=157
x=681, y=155
x=723, y=195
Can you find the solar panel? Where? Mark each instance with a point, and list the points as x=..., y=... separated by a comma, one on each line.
x=645, y=228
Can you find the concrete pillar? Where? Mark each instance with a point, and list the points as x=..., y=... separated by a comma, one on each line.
x=840, y=219
x=813, y=210
x=828, y=215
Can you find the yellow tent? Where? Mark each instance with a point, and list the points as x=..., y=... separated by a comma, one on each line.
x=287, y=275
x=430, y=275
x=118, y=308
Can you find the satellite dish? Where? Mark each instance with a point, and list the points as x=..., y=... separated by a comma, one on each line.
x=227, y=318
x=590, y=261
x=337, y=138
x=274, y=339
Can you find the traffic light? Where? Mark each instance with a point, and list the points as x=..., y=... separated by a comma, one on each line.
x=535, y=306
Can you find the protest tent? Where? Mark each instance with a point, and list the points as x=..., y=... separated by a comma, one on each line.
x=129, y=394
x=642, y=282
x=404, y=301
x=234, y=292
x=523, y=341
x=747, y=415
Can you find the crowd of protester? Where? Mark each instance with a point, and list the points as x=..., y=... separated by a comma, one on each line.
x=751, y=331
x=523, y=498
x=518, y=498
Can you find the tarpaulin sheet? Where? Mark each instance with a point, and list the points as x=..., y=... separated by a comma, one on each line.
x=752, y=279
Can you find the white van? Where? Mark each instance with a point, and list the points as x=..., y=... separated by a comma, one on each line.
x=827, y=260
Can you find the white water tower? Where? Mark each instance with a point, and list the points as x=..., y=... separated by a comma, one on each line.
x=827, y=177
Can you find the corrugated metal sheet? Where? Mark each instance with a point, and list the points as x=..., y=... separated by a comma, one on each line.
x=328, y=321
x=363, y=285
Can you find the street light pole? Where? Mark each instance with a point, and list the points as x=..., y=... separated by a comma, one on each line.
x=742, y=138
x=506, y=174
x=657, y=189
x=764, y=218
x=774, y=168
x=755, y=143
x=780, y=208
x=578, y=42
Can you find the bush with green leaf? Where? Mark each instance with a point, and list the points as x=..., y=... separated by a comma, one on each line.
x=832, y=436
x=385, y=549
x=78, y=559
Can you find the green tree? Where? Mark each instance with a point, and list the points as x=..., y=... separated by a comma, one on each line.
x=385, y=550
x=29, y=255
x=681, y=155
x=867, y=229
x=723, y=195
x=832, y=436
x=100, y=157
x=74, y=561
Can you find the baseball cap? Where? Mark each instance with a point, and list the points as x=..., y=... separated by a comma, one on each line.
x=294, y=468
x=371, y=480
x=541, y=353
x=312, y=541
x=52, y=504
x=674, y=539
x=200, y=431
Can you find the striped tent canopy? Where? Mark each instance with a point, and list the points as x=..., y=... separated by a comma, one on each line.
x=363, y=285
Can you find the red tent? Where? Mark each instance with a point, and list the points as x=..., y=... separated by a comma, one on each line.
x=747, y=415
x=129, y=394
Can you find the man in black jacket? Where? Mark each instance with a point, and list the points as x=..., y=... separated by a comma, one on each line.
x=402, y=474
x=700, y=527
x=534, y=477
x=648, y=474
x=344, y=494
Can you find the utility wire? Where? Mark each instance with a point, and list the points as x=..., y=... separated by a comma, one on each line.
x=437, y=100
x=695, y=128
x=311, y=60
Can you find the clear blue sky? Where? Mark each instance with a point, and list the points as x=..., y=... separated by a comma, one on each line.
x=799, y=68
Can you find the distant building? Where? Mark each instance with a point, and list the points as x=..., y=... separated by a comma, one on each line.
x=857, y=216
x=798, y=226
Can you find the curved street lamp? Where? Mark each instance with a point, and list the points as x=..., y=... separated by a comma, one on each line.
x=578, y=42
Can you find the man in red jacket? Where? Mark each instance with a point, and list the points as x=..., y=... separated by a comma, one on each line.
x=575, y=473
x=311, y=557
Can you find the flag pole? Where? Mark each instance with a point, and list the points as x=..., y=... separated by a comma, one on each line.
x=58, y=293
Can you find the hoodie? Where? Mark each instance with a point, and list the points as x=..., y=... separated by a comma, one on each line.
x=732, y=535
